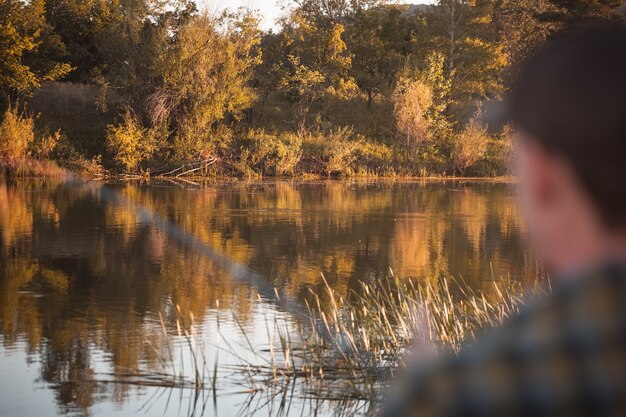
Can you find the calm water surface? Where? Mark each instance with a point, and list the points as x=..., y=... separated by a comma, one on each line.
x=82, y=281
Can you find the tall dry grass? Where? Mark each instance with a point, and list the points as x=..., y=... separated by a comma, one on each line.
x=349, y=346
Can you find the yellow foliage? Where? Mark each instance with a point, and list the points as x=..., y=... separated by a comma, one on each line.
x=470, y=146
x=129, y=143
x=16, y=136
x=412, y=99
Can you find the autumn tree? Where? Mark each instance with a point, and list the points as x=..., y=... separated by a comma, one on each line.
x=377, y=38
x=464, y=32
x=317, y=64
x=30, y=52
x=205, y=75
x=412, y=100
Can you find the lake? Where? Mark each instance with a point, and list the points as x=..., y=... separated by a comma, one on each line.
x=84, y=282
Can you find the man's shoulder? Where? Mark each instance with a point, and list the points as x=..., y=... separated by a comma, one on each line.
x=577, y=311
x=537, y=360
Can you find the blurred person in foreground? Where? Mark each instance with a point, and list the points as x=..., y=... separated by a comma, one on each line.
x=565, y=353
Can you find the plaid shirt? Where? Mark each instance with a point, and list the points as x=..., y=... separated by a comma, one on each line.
x=563, y=355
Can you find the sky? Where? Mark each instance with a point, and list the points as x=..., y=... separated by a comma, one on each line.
x=270, y=9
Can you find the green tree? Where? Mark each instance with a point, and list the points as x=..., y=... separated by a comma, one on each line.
x=581, y=9
x=113, y=44
x=329, y=12
x=303, y=86
x=521, y=26
x=270, y=72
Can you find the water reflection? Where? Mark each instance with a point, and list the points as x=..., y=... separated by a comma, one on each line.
x=82, y=281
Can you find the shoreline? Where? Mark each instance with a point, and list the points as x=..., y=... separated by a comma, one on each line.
x=33, y=168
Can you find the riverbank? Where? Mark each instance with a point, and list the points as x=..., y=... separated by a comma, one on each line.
x=127, y=150
x=92, y=170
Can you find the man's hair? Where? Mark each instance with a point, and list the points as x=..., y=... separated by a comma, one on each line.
x=571, y=97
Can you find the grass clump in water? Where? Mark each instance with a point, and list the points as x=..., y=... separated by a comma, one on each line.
x=352, y=345
x=348, y=347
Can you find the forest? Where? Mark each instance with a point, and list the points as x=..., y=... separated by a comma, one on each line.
x=335, y=88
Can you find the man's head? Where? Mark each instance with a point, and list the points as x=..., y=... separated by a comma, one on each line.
x=569, y=111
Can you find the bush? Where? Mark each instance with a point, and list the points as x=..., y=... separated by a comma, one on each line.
x=46, y=144
x=266, y=154
x=17, y=135
x=333, y=153
x=497, y=159
x=469, y=146
x=193, y=144
x=374, y=158
x=129, y=143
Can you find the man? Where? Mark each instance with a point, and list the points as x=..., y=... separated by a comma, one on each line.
x=564, y=354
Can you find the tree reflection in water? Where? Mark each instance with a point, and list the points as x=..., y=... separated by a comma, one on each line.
x=82, y=282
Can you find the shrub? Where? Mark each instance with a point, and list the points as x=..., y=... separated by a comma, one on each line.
x=333, y=153
x=470, y=146
x=129, y=143
x=193, y=144
x=497, y=159
x=374, y=158
x=266, y=154
x=46, y=144
x=412, y=100
x=17, y=135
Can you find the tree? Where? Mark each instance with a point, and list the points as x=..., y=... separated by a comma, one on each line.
x=317, y=64
x=377, y=39
x=29, y=51
x=433, y=74
x=303, y=86
x=329, y=12
x=205, y=75
x=412, y=100
x=581, y=9
x=114, y=44
x=464, y=32
x=270, y=72
x=522, y=25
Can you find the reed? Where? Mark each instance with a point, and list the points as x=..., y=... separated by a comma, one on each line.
x=349, y=347
x=353, y=344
